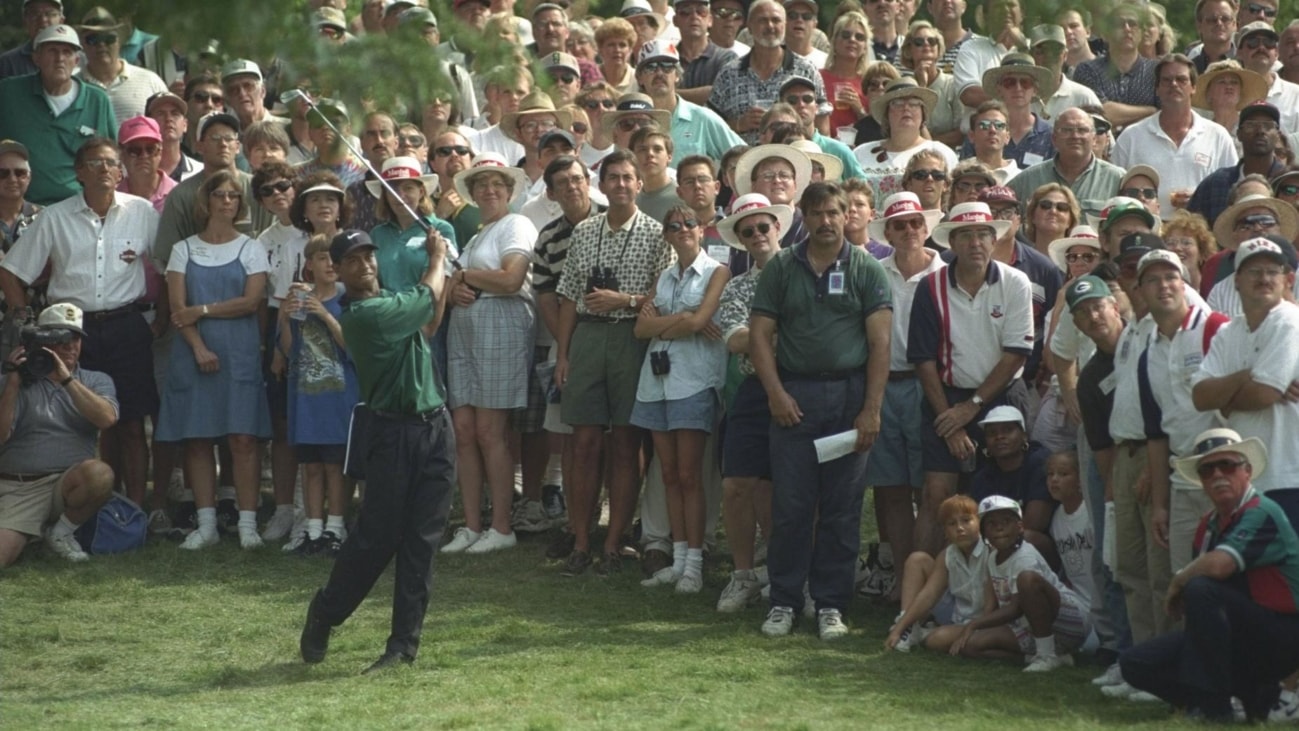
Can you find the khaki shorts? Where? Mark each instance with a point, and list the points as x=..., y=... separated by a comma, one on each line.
x=27, y=507
x=604, y=362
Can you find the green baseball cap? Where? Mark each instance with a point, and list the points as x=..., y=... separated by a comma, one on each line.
x=1085, y=288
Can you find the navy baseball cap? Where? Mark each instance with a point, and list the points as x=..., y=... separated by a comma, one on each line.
x=347, y=242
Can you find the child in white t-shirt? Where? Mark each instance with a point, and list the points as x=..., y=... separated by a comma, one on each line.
x=1030, y=612
x=1071, y=525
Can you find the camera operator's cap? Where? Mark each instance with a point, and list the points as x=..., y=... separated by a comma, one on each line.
x=17, y=148
x=63, y=316
x=1045, y=33
x=1272, y=247
x=561, y=60
x=138, y=128
x=1139, y=244
x=165, y=97
x=224, y=118
x=1258, y=26
x=57, y=34
x=1004, y=415
x=1160, y=256
x=993, y=503
x=1088, y=287
x=1220, y=441
x=658, y=50
x=240, y=67
x=348, y=242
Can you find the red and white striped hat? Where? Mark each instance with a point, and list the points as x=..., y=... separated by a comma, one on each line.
x=402, y=168
x=491, y=162
x=898, y=205
x=1078, y=236
x=969, y=215
x=748, y=205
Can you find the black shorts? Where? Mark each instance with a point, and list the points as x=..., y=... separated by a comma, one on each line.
x=745, y=446
x=936, y=456
x=122, y=347
x=319, y=453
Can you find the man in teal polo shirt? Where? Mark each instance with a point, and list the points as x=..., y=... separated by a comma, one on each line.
x=828, y=305
x=53, y=114
x=800, y=93
x=407, y=450
x=695, y=130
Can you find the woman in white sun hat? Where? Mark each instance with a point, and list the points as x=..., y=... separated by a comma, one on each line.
x=489, y=348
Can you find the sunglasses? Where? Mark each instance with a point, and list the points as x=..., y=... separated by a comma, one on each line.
x=905, y=223
x=412, y=140
x=747, y=231
x=628, y=125
x=1010, y=82
x=689, y=224
x=987, y=124
x=847, y=35
x=935, y=175
x=17, y=173
x=922, y=41
x=795, y=99
x=812, y=16
x=1256, y=41
x=658, y=67
x=449, y=150
x=227, y=195
x=564, y=78
x=1058, y=206
x=270, y=189
x=101, y=164
x=1086, y=257
x=1148, y=194
x=580, y=128
x=108, y=39
x=149, y=151
x=1287, y=189
x=204, y=97
x=599, y=104
x=1227, y=467
x=1263, y=10
x=1258, y=220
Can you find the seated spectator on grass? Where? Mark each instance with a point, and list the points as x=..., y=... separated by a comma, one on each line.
x=1016, y=467
x=940, y=596
x=50, y=481
x=1030, y=612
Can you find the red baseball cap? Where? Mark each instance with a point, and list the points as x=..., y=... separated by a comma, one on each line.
x=138, y=128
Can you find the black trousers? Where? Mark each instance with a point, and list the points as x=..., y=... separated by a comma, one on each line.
x=1231, y=647
x=410, y=475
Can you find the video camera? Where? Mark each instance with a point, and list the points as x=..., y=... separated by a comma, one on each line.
x=39, y=363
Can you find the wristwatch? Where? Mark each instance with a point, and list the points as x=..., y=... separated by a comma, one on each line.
x=631, y=300
x=977, y=400
x=204, y=310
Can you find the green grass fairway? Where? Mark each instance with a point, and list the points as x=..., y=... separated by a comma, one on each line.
x=171, y=639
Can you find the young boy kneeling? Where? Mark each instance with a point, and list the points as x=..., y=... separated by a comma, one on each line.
x=1030, y=612
x=950, y=589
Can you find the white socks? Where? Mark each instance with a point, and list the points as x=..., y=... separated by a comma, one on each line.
x=315, y=526
x=554, y=471
x=334, y=524
x=679, y=549
x=207, y=521
x=694, y=562
x=1045, y=646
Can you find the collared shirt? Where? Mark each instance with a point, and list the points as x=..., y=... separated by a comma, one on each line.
x=884, y=52
x=401, y=255
x=393, y=362
x=1259, y=538
x=820, y=318
x=95, y=264
x=1170, y=364
x=697, y=130
x=49, y=433
x=186, y=168
x=1206, y=147
x=1128, y=419
x=1097, y=183
x=160, y=193
x=1270, y=355
x=1202, y=60
x=634, y=253
x=704, y=68
x=948, y=62
x=129, y=90
x=965, y=334
x=733, y=314
x=698, y=362
x=904, y=294
x=53, y=140
x=493, y=139
x=967, y=579
x=976, y=55
x=553, y=242
x=1136, y=87
x=1067, y=95
x=737, y=89
x=1034, y=147
x=1284, y=95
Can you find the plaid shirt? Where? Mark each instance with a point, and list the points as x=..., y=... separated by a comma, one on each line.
x=737, y=89
x=1136, y=87
x=636, y=253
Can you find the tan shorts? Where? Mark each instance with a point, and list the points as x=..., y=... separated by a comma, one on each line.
x=27, y=507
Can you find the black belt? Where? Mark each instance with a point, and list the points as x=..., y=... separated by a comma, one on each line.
x=423, y=417
x=901, y=375
x=30, y=477
x=604, y=320
x=819, y=376
x=134, y=308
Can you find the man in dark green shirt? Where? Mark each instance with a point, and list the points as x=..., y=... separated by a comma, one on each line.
x=828, y=306
x=408, y=449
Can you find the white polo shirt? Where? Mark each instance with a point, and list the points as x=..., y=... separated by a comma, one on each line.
x=96, y=265
x=1171, y=364
x=904, y=292
x=1206, y=147
x=1284, y=95
x=1225, y=298
x=1127, y=421
x=1272, y=358
x=1069, y=94
x=978, y=54
x=1069, y=343
x=967, y=335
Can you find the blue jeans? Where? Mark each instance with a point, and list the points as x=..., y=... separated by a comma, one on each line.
x=1110, y=610
x=816, y=508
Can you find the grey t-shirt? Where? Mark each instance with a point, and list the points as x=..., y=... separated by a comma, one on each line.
x=49, y=434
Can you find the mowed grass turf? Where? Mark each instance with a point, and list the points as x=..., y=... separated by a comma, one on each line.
x=166, y=638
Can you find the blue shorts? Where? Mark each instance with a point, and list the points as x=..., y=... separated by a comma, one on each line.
x=897, y=457
x=745, y=450
x=698, y=412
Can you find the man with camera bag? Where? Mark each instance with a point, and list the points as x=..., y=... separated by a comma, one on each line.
x=408, y=451
x=51, y=413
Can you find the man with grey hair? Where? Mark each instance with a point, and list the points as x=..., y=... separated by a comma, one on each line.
x=245, y=92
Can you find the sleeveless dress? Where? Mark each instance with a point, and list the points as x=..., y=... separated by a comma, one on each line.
x=198, y=405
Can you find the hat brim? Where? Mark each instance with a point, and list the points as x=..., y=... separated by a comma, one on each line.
x=510, y=122
x=943, y=231
x=1060, y=247
x=1287, y=218
x=801, y=161
x=1252, y=448
x=832, y=165
x=726, y=227
x=880, y=106
x=430, y=182
x=1136, y=170
x=1252, y=87
x=1046, y=85
x=875, y=229
x=463, y=178
x=661, y=117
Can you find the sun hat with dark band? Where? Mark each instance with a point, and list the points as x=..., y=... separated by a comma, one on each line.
x=490, y=162
x=1220, y=441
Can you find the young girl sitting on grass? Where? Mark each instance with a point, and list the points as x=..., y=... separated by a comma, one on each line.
x=1071, y=525
x=322, y=391
x=950, y=590
x=1028, y=609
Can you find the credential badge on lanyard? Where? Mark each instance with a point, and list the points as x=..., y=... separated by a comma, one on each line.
x=836, y=279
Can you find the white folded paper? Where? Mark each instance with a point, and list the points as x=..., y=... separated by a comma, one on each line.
x=835, y=445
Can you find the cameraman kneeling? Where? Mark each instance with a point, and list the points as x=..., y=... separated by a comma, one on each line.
x=51, y=413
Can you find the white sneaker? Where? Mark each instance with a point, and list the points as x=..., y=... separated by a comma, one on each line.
x=905, y=639
x=1286, y=708
x=1112, y=676
x=1047, y=663
x=159, y=523
x=531, y=517
x=198, y=540
x=279, y=526
x=463, y=539
x=690, y=584
x=742, y=591
x=663, y=577
x=1140, y=696
x=829, y=625
x=493, y=541
x=248, y=539
x=779, y=622
x=1121, y=690
x=65, y=545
